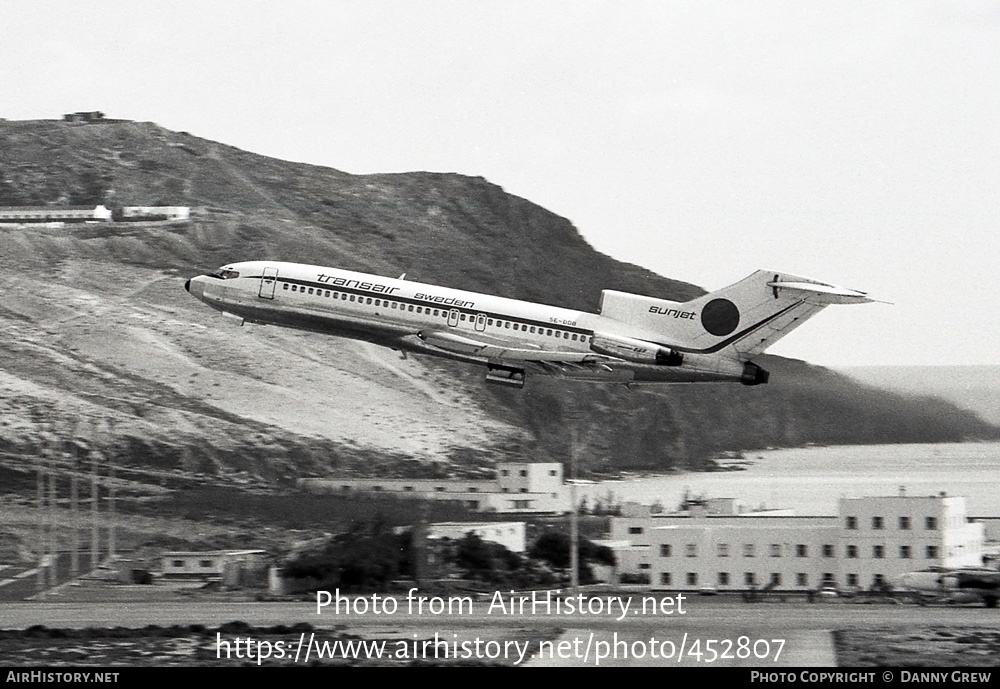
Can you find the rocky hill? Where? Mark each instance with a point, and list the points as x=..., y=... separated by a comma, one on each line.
x=100, y=343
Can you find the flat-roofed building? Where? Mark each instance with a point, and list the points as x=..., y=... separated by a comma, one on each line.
x=517, y=487
x=169, y=213
x=510, y=535
x=231, y=567
x=872, y=542
x=40, y=214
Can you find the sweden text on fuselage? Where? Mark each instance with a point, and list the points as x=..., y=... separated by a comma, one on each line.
x=633, y=338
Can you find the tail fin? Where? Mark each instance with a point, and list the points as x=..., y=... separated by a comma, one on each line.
x=738, y=321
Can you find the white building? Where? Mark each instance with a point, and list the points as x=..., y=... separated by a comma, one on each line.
x=171, y=213
x=510, y=535
x=518, y=487
x=228, y=566
x=873, y=540
x=37, y=214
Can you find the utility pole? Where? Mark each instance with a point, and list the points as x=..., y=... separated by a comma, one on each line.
x=574, y=531
x=572, y=415
x=74, y=508
x=53, y=518
x=40, y=506
x=111, y=510
x=111, y=445
x=95, y=494
x=419, y=544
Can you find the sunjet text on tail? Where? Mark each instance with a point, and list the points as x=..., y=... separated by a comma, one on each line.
x=634, y=338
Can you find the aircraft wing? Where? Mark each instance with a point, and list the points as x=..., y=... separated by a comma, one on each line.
x=497, y=351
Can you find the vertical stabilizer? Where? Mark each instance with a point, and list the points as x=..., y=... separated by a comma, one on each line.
x=740, y=321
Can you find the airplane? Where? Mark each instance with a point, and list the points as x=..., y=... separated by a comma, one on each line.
x=962, y=583
x=634, y=339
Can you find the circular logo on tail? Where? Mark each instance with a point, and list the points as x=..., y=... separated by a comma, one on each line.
x=720, y=317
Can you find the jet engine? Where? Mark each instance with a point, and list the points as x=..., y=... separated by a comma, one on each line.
x=639, y=351
x=754, y=374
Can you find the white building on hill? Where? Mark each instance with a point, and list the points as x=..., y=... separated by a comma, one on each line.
x=40, y=214
x=171, y=213
x=518, y=487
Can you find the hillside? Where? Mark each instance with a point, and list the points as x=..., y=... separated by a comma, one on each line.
x=99, y=342
x=974, y=388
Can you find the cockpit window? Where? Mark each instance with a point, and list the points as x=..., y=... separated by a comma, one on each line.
x=225, y=274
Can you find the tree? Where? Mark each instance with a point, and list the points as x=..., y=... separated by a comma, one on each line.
x=553, y=547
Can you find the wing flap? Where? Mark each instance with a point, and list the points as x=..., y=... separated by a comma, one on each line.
x=462, y=344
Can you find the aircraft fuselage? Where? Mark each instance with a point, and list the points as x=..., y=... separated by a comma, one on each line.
x=661, y=344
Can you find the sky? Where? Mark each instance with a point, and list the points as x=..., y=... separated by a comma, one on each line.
x=857, y=143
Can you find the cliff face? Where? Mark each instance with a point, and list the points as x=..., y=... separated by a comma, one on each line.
x=99, y=342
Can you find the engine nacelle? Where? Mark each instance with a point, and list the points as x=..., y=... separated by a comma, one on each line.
x=754, y=374
x=639, y=351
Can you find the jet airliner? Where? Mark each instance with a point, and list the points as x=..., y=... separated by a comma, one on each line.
x=959, y=583
x=633, y=339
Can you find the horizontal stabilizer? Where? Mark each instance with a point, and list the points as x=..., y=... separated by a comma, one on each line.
x=820, y=293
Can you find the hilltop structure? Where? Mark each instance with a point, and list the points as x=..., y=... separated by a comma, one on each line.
x=64, y=214
x=44, y=214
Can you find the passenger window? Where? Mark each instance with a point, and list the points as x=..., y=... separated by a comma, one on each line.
x=410, y=308
x=420, y=309
x=352, y=297
x=573, y=336
x=463, y=317
x=532, y=329
x=369, y=300
x=327, y=293
x=548, y=332
x=489, y=321
x=284, y=286
x=310, y=290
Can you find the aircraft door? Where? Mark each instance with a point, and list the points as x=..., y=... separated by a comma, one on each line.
x=453, y=318
x=267, y=282
x=481, y=322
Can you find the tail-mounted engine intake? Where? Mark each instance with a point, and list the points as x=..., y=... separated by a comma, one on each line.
x=639, y=351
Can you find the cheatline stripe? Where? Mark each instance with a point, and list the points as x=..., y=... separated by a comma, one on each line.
x=430, y=305
x=517, y=319
x=740, y=335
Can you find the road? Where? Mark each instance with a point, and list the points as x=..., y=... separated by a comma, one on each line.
x=802, y=630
